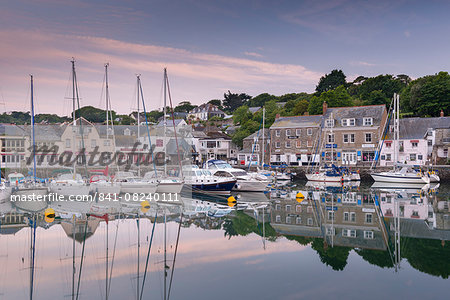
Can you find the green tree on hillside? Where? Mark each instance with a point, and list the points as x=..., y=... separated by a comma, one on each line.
x=427, y=96
x=260, y=100
x=331, y=81
x=374, y=89
x=338, y=97
x=184, y=106
x=232, y=101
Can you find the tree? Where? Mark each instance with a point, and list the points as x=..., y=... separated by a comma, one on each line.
x=232, y=101
x=338, y=97
x=154, y=115
x=427, y=96
x=387, y=85
x=331, y=81
x=261, y=99
x=241, y=115
x=184, y=106
x=125, y=119
x=300, y=108
x=216, y=102
x=92, y=114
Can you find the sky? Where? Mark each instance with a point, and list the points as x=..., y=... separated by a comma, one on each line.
x=208, y=47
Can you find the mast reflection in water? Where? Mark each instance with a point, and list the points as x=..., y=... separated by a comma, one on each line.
x=351, y=241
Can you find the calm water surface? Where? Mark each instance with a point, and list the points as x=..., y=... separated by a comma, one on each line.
x=336, y=243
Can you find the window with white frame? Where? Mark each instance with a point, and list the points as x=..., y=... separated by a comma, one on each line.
x=310, y=221
x=278, y=218
x=298, y=132
x=353, y=217
x=298, y=208
x=346, y=216
x=412, y=157
x=329, y=123
x=298, y=144
x=288, y=208
x=309, y=131
x=349, y=233
x=278, y=133
x=288, y=220
x=331, y=138
x=368, y=218
x=330, y=215
x=345, y=138
x=368, y=121
x=388, y=157
x=256, y=147
x=288, y=144
x=368, y=234
x=288, y=132
x=298, y=220
x=309, y=209
x=368, y=136
x=308, y=144
x=278, y=207
x=348, y=122
x=277, y=144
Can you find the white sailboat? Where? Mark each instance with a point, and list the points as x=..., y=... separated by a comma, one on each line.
x=405, y=174
x=23, y=186
x=71, y=184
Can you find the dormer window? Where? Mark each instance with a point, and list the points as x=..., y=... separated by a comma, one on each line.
x=368, y=121
x=127, y=131
x=329, y=123
x=348, y=122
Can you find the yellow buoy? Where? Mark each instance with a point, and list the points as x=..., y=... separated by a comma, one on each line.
x=231, y=201
x=145, y=206
x=299, y=197
x=49, y=215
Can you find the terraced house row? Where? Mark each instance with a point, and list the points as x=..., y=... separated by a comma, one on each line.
x=348, y=136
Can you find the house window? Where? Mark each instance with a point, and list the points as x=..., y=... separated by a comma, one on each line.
x=419, y=157
x=288, y=144
x=329, y=123
x=277, y=144
x=331, y=138
x=277, y=133
x=308, y=144
x=309, y=209
x=278, y=218
x=349, y=233
x=383, y=157
x=298, y=220
x=298, y=144
x=368, y=137
x=278, y=207
x=256, y=147
x=288, y=220
x=388, y=144
x=349, y=138
x=330, y=215
x=348, y=122
x=445, y=152
x=346, y=216
x=288, y=132
x=368, y=234
x=310, y=221
x=353, y=217
x=368, y=218
x=352, y=137
x=414, y=144
x=298, y=208
x=298, y=132
x=288, y=208
x=368, y=121
x=388, y=157
x=430, y=142
x=309, y=131
x=345, y=138
x=412, y=157
x=67, y=143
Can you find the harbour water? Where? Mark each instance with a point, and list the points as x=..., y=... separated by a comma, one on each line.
x=328, y=242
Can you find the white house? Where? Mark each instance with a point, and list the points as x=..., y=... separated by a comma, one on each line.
x=206, y=111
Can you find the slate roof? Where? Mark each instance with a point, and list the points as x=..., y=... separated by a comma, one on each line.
x=416, y=128
x=170, y=122
x=356, y=112
x=12, y=130
x=213, y=135
x=253, y=135
x=299, y=121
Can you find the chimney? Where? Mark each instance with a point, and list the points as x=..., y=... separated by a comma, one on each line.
x=324, y=107
x=306, y=113
x=277, y=116
x=442, y=113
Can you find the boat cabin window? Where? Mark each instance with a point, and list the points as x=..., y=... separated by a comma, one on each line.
x=223, y=174
x=239, y=173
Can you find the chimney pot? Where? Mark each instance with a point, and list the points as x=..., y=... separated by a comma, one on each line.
x=442, y=113
x=277, y=116
x=306, y=113
x=324, y=107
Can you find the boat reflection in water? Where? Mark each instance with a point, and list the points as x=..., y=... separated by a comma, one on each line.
x=133, y=249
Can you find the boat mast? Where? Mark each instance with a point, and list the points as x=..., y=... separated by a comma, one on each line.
x=33, y=134
x=138, y=120
x=73, y=257
x=263, y=141
x=165, y=255
x=164, y=120
x=396, y=129
x=73, y=109
x=138, y=253
x=107, y=97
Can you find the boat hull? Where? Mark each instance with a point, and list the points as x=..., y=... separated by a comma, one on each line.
x=137, y=188
x=397, y=178
x=106, y=189
x=70, y=190
x=251, y=186
x=323, y=178
x=217, y=188
x=169, y=186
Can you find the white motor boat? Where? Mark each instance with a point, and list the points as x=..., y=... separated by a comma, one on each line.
x=102, y=185
x=130, y=183
x=246, y=182
x=203, y=181
x=69, y=184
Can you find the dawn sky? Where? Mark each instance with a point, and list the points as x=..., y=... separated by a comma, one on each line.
x=209, y=47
